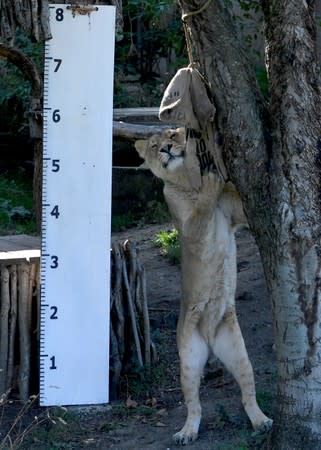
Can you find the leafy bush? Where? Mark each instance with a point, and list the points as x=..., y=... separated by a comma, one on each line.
x=15, y=89
x=169, y=243
x=16, y=212
x=153, y=212
x=152, y=33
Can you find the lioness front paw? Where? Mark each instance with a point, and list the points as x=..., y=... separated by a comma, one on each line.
x=212, y=186
x=184, y=437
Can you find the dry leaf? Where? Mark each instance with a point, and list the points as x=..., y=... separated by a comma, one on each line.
x=62, y=420
x=160, y=424
x=151, y=402
x=130, y=403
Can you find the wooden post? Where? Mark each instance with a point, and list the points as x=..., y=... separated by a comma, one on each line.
x=24, y=319
x=12, y=322
x=20, y=282
x=4, y=323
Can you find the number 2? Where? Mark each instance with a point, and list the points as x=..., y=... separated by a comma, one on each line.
x=53, y=315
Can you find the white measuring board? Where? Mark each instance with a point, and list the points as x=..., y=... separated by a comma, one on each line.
x=77, y=167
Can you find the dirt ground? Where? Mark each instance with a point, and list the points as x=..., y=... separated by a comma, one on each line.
x=149, y=421
x=224, y=424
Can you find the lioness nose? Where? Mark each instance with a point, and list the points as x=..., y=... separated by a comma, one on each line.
x=167, y=148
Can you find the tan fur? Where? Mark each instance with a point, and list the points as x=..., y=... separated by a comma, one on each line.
x=206, y=220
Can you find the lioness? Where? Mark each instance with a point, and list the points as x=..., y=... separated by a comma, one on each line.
x=206, y=219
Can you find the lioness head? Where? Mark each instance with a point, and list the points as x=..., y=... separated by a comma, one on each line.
x=164, y=153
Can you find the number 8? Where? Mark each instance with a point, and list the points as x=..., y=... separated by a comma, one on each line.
x=59, y=14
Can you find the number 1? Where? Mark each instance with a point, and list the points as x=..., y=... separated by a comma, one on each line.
x=53, y=363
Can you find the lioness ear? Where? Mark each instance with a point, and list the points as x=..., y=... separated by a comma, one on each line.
x=141, y=147
x=180, y=135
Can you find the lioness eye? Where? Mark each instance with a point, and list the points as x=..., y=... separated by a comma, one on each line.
x=172, y=136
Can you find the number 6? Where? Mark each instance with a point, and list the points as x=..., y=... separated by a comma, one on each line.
x=56, y=115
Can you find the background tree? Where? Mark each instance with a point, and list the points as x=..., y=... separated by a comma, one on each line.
x=272, y=151
x=31, y=19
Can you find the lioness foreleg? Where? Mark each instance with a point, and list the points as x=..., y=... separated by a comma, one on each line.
x=229, y=347
x=193, y=352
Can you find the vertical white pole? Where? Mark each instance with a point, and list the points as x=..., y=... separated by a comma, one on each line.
x=78, y=105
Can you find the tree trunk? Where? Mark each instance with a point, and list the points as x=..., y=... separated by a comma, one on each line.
x=273, y=155
x=293, y=264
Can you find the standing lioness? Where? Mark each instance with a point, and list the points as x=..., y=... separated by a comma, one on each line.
x=206, y=219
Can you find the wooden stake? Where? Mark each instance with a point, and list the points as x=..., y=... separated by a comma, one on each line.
x=132, y=314
x=147, y=340
x=116, y=361
x=24, y=319
x=119, y=316
x=131, y=253
x=12, y=323
x=4, y=324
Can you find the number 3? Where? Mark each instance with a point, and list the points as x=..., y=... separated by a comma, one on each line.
x=54, y=260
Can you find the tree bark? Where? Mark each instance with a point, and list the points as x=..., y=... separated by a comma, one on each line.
x=293, y=263
x=273, y=156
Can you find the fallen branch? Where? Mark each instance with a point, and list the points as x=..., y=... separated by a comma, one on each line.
x=132, y=132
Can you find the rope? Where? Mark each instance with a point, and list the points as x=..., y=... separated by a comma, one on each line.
x=194, y=13
x=187, y=31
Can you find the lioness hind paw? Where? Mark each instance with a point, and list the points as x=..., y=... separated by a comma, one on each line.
x=183, y=438
x=263, y=428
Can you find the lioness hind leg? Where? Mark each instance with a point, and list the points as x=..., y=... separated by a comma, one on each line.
x=193, y=356
x=229, y=347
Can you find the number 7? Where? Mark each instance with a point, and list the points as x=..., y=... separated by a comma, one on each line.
x=58, y=61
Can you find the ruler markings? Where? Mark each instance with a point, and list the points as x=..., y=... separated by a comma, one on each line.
x=76, y=207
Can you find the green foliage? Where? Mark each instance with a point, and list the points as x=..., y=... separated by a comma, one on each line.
x=121, y=222
x=263, y=81
x=152, y=31
x=153, y=212
x=16, y=212
x=139, y=382
x=169, y=243
x=250, y=5
x=266, y=401
x=15, y=90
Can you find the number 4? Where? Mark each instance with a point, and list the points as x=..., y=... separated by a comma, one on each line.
x=55, y=212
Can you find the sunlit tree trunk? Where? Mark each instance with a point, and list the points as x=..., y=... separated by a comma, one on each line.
x=273, y=155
